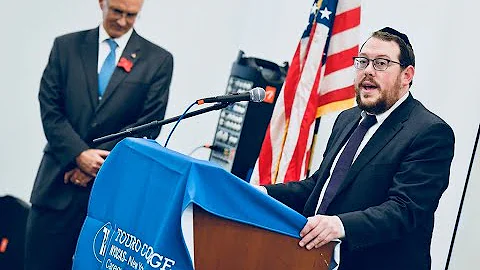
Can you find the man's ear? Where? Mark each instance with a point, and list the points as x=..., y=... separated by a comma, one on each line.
x=407, y=75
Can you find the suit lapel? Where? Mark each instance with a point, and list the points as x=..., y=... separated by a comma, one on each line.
x=342, y=139
x=384, y=134
x=131, y=52
x=89, y=55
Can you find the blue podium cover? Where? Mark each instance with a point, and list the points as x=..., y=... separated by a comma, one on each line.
x=139, y=196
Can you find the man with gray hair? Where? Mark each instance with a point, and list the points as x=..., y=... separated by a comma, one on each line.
x=97, y=82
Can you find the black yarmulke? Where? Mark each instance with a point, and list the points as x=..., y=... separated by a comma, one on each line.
x=398, y=34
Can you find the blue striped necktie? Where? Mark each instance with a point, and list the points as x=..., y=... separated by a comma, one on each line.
x=345, y=161
x=107, y=68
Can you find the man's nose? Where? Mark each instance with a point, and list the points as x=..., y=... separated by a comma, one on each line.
x=122, y=21
x=369, y=69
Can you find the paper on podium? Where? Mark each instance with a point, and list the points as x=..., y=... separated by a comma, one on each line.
x=134, y=218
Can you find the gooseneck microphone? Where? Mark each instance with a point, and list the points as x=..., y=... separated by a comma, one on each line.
x=257, y=94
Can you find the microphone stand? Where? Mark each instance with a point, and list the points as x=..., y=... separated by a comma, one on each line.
x=158, y=123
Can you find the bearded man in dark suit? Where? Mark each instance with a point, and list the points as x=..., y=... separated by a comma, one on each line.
x=377, y=191
x=96, y=82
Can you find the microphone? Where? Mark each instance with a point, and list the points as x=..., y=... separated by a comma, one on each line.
x=257, y=94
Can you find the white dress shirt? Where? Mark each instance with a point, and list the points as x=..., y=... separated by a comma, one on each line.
x=104, y=48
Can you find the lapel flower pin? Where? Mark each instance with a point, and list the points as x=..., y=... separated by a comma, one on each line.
x=125, y=64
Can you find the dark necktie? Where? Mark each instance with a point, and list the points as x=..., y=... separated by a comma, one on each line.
x=107, y=68
x=345, y=161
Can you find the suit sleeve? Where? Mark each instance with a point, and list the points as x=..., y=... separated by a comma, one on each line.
x=63, y=142
x=156, y=100
x=293, y=194
x=420, y=180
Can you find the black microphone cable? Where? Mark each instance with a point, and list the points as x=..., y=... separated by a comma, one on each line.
x=196, y=149
x=178, y=121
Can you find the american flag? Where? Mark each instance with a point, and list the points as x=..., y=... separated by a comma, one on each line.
x=319, y=81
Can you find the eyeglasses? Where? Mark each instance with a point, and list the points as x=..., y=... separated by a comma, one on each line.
x=118, y=13
x=379, y=64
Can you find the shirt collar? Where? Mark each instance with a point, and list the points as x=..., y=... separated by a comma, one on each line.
x=381, y=117
x=121, y=41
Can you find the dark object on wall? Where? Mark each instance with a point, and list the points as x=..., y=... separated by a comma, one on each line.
x=13, y=218
x=241, y=127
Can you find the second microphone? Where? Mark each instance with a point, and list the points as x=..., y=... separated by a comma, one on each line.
x=257, y=94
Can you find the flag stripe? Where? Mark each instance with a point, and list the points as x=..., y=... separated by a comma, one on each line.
x=340, y=60
x=265, y=157
x=343, y=6
x=338, y=94
x=346, y=20
x=343, y=41
x=336, y=81
x=335, y=106
x=291, y=81
x=272, y=155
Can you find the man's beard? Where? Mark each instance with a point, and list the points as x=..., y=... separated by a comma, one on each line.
x=376, y=108
x=382, y=104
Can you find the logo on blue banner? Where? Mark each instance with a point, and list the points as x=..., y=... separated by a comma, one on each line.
x=115, y=248
x=100, y=241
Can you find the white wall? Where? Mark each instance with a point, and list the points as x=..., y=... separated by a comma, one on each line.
x=464, y=253
x=205, y=38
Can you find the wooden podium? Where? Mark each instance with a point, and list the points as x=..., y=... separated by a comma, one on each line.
x=224, y=244
x=141, y=194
